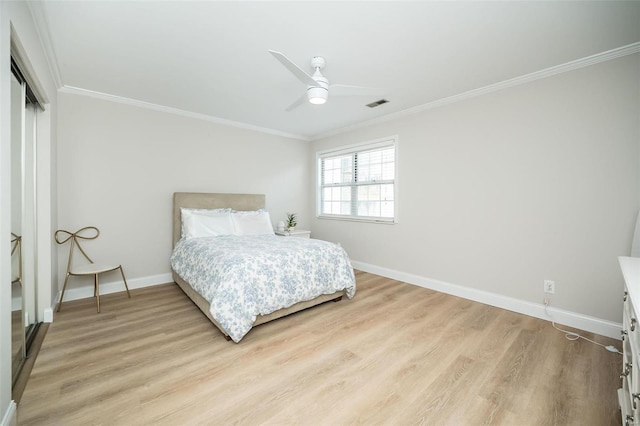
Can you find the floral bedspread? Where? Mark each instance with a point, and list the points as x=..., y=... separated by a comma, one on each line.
x=246, y=276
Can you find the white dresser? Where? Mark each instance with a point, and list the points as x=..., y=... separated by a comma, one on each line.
x=629, y=393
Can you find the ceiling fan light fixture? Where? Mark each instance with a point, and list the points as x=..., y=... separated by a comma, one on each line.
x=318, y=85
x=317, y=95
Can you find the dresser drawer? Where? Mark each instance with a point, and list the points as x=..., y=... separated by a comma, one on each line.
x=628, y=417
x=629, y=393
x=629, y=313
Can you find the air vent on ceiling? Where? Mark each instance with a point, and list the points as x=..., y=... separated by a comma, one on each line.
x=377, y=103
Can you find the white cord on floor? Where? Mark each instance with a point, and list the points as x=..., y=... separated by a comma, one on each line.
x=570, y=335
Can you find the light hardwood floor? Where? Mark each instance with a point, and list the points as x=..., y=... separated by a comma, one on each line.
x=395, y=354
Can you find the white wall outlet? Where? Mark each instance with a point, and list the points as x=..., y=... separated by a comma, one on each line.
x=549, y=286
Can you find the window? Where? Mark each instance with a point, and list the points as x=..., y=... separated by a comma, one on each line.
x=359, y=182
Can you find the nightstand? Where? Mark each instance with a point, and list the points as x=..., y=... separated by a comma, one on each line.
x=301, y=233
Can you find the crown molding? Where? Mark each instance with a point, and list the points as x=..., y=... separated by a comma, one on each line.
x=629, y=49
x=176, y=111
x=42, y=28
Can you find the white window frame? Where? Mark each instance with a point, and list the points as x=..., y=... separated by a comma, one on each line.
x=354, y=149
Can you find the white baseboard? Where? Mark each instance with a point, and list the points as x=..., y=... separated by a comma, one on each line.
x=113, y=287
x=568, y=318
x=48, y=315
x=10, y=416
x=536, y=310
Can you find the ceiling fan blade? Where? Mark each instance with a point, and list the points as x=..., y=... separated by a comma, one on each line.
x=347, y=90
x=295, y=70
x=301, y=100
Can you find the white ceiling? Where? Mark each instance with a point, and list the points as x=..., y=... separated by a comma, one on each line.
x=211, y=58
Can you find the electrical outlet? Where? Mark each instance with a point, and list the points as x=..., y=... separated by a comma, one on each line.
x=549, y=286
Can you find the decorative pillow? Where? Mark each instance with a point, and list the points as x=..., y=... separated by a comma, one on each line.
x=197, y=223
x=252, y=222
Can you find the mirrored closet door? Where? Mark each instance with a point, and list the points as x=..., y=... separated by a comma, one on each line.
x=24, y=106
x=17, y=330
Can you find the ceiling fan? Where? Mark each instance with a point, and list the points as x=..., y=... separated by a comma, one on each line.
x=318, y=86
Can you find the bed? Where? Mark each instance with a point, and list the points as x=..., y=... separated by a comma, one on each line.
x=217, y=305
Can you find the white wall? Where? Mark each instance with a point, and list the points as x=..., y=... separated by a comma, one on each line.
x=119, y=166
x=502, y=191
x=17, y=14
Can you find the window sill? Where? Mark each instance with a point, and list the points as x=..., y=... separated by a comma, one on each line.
x=360, y=219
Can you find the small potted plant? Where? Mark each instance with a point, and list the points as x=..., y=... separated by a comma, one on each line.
x=291, y=222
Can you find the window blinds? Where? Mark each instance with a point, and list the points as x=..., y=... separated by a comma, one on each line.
x=359, y=182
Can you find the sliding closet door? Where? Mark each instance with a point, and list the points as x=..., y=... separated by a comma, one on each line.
x=18, y=350
x=29, y=229
x=24, y=110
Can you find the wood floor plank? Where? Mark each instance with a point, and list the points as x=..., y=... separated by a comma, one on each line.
x=395, y=354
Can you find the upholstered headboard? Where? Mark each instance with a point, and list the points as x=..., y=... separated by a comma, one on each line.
x=200, y=200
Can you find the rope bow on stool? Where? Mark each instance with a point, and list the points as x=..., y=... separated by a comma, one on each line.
x=16, y=247
x=87, y=233
x=75, y=236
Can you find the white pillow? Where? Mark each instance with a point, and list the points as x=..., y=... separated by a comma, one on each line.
x=209, y=212
x=197, y=223
x=252, y=222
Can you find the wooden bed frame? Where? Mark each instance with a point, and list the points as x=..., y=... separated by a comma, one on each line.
x=195, y=200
